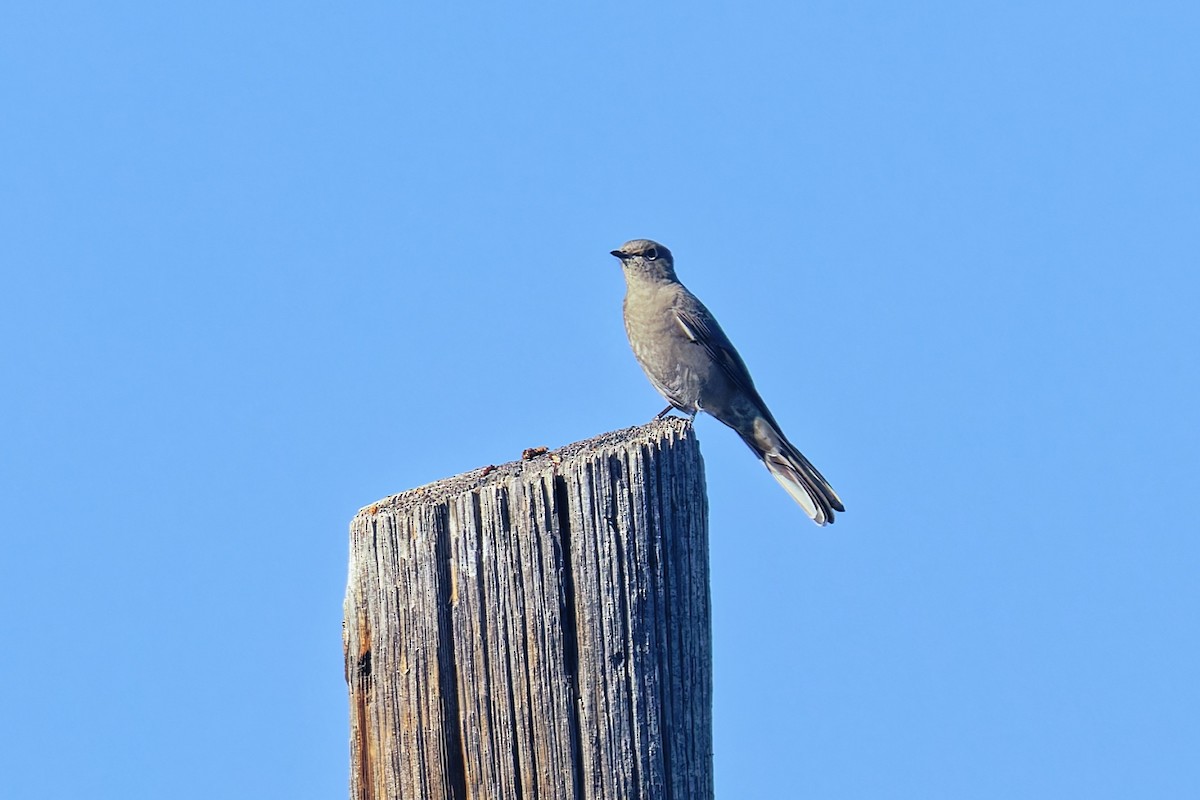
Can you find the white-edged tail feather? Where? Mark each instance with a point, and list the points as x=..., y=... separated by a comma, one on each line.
x=803, y=492
x=795, y=474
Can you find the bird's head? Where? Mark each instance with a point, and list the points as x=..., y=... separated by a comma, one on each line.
x=646, y=258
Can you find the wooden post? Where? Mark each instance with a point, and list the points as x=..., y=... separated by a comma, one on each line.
x=536, y=630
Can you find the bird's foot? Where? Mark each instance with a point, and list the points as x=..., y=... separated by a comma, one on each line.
x=691, y=415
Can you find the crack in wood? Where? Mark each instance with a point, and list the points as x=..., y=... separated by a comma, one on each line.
x=570, y=626
x=456, y=771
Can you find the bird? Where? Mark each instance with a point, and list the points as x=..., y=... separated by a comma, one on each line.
x=692, y=364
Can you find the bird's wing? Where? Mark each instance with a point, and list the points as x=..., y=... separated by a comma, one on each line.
x=701, y=327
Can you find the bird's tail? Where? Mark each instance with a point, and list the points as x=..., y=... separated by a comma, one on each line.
x=794, y=472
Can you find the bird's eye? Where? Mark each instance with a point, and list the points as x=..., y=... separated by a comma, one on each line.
x=652, y=254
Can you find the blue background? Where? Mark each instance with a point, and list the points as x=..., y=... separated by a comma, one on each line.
x=265, y=264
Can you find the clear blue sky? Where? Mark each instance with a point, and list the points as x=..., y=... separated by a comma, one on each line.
x=263, y=264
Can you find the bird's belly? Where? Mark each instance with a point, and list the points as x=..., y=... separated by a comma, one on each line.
x=664, y=357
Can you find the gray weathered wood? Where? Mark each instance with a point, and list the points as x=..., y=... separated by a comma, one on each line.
x=538, y=631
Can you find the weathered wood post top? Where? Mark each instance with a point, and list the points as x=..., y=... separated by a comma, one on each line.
x=539, y=629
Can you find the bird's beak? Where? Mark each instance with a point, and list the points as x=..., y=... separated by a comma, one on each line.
x=619, y=254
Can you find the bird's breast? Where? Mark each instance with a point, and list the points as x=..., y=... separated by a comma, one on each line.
x=660, y=345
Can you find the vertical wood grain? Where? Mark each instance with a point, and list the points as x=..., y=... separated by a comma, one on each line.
x=536, y=630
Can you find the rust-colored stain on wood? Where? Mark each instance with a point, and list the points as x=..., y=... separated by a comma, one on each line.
x=363, y=754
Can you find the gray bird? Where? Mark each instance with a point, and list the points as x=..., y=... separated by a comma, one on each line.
x=691, y=362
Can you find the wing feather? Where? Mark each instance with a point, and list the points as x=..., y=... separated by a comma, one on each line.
x=701, y=327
